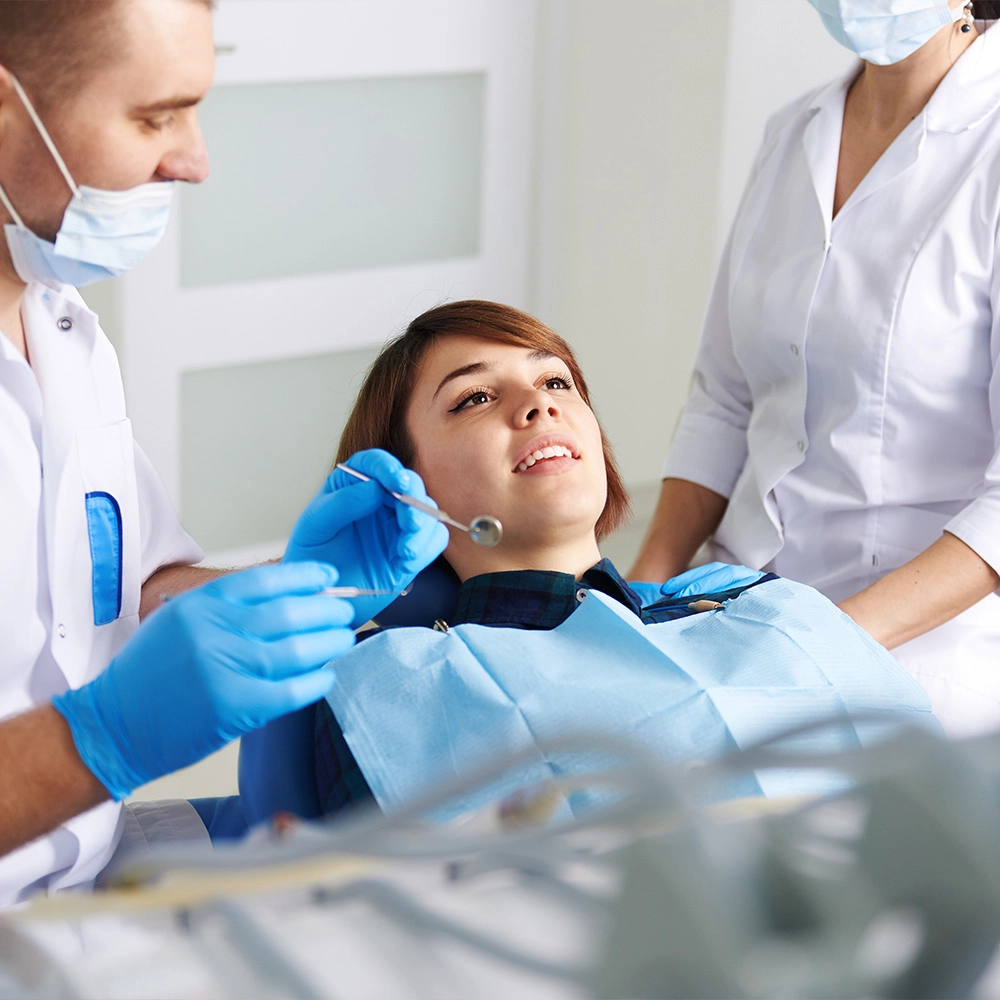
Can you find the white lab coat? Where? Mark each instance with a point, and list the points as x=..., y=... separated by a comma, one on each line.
x=846, y=395
x=65, y=434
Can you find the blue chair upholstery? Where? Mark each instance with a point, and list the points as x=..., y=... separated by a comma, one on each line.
x=277, y=770
x=223, y=817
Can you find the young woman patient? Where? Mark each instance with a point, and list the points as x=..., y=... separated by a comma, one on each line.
x=490, y=407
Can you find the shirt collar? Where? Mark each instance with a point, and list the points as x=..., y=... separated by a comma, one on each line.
x=534, y=598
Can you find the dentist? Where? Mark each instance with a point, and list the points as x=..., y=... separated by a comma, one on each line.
x=843, y=428
x=97, y=120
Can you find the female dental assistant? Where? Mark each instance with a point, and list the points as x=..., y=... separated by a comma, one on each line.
x=97, y=117
x=844, y=420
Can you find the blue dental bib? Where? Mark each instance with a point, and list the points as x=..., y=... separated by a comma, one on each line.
x=420, y=708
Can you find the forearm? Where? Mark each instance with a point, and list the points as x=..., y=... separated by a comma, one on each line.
x=44, y=782
x=686, y=516
x=940, y=583
x=172, y=580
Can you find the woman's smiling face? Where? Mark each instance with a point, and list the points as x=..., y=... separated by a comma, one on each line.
x=501, y=429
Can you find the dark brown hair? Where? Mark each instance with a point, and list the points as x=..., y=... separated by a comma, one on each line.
x=378, y=419
x=54, y=47
x=986, y=10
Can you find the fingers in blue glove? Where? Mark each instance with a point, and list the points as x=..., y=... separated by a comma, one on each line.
x=264, y=583
x=712, y=578
x=385, y=469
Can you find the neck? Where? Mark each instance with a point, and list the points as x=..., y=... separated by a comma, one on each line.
x=887, y=98
x=11, y=295
x=468, y=560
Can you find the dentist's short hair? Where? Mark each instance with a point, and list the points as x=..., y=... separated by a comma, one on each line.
x=378, y=419
x=54, y=47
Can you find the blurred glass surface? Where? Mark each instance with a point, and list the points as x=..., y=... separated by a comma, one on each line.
x=335, y=175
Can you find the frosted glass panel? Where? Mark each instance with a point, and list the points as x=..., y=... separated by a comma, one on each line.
x=333, y=175
x=258, y=440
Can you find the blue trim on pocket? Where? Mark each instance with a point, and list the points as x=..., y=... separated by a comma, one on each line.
x=104, y=528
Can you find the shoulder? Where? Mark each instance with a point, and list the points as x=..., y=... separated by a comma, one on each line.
x=800, y=109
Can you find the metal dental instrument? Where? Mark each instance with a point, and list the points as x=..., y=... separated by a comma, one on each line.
x=353, y=592
x=485, y=530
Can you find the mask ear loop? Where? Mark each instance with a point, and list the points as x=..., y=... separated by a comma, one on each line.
x=46, y=138
x=18, y=221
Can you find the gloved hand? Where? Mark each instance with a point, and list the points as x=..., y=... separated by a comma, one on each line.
x=206, y=667
x=712, y=578
x=376, y=542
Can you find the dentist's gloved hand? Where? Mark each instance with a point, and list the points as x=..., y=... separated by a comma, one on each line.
x=712, y=578
x=376, y=542
x=206, y=667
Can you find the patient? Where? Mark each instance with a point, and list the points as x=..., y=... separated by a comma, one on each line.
x=491, y=408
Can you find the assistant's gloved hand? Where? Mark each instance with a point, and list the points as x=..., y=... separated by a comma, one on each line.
x=206, y=667
x=376, y=542
x=712, y=578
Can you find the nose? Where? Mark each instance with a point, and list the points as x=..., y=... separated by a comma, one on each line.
x=187, y=159
x=533, y=405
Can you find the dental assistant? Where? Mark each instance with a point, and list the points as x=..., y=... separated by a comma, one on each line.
x=97, y=119
x=844, y=420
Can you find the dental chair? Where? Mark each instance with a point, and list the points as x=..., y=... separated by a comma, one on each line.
x=277, y=763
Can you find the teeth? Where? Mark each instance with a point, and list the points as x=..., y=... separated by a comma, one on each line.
x=552, y=451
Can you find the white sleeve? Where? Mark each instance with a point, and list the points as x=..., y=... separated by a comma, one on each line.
x=978, y=525
x=164, y=542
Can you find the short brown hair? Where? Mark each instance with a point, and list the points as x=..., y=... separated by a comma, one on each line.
x=378, y=419
x=54, y=47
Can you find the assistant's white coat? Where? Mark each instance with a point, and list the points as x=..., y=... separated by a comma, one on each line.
x=846, y=396
x=65, y=434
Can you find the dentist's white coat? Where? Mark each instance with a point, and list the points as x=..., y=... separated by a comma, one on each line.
x=65, y=434
x=846, y=395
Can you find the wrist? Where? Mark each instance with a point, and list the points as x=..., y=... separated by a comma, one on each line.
x=98, y=739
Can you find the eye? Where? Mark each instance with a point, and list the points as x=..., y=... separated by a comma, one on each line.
x=558, y=382
x=157, y=124
x=475, y=397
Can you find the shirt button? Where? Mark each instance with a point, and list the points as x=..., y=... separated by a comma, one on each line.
x=62, y=631
x=801, y=445
x=795, y=348
x=581, y=593
x=64, y=323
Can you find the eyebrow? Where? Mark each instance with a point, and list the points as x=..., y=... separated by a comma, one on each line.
x=170, y=104
x=482, y=366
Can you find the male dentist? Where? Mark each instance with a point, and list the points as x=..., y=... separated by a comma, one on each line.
x=98, y=106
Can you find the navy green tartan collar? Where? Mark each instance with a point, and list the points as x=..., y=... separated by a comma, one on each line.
x=535, y=598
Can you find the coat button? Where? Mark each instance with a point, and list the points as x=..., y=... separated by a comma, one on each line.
x=801, y=445
x=64, y=323
x=795, y=348
x=62, y=631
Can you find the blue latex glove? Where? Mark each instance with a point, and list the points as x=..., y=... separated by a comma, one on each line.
x=206, y=667
x=712, y=578
x=376, y=542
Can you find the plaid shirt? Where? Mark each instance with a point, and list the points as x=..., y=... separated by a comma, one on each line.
x=525, y=599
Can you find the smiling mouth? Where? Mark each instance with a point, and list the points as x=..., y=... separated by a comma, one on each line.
x=552, y=451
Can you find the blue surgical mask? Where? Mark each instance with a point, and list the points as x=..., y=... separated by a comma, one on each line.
x=885, y=31
x=103, y=233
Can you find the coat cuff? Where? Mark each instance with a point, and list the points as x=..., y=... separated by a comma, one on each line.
x=978, y=525
x=707, y=451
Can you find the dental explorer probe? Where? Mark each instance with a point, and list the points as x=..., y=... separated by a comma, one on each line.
x=485, y=530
